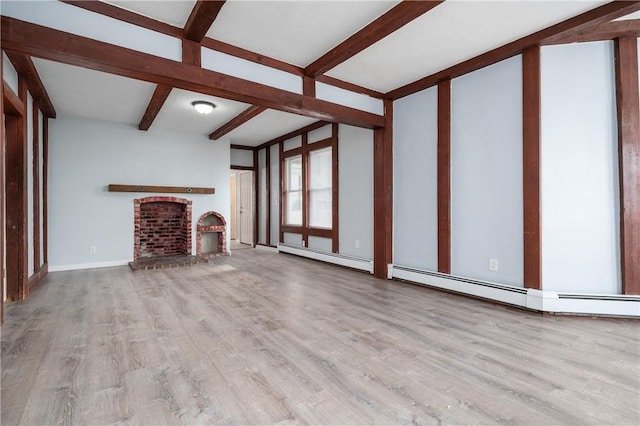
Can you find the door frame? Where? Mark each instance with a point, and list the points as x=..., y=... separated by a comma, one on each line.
x=237, y=170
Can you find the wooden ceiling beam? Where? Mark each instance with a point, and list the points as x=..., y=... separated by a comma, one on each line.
x=201, y=18
x=237, y=121
x=607, y=31
x=12, y=103
x=127, y=16
x=394, y=19
x=25, y=67
x=158, y=99
x=47, y=43
x=217, y=45
x=605, y=13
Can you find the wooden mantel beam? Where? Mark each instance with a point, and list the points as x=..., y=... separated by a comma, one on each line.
x=564, y=29
x=25, y=67
x=394, y=19
x=237, y=121
x=47, y=43
x=201, y=18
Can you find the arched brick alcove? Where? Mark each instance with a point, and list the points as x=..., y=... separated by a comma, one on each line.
x=162, y=227
x=211, y=235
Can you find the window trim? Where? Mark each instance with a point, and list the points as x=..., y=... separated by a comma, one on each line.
x=304, y=150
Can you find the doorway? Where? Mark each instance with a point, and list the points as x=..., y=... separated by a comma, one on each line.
x=242, y=210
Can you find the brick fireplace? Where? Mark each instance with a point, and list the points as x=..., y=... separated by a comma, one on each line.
x=211, y=235
x=162, y=227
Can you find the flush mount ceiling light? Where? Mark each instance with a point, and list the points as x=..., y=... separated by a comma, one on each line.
x=203, y=107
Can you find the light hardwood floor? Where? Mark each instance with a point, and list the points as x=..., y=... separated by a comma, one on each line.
x=263, y=338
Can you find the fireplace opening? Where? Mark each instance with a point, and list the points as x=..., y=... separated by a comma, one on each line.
x=211, y=235
x=162, y=227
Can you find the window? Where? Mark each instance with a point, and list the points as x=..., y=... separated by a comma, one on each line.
x=293, y=190
x=320, y=189
x=309, y=183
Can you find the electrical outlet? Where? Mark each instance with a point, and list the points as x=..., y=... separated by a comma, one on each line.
x=493, y=265
x=92, y=249
x=357, y=243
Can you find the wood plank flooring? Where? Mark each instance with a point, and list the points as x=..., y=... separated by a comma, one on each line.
x=264, y=338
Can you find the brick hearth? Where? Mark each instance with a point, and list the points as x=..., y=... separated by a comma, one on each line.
x=162, y=227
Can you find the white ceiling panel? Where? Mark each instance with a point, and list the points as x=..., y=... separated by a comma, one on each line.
x=268, y=125
x=173, y=12
x=634, y=15
x=449, y=34
x=94, y=94
x=297, y=32
x=177, y=113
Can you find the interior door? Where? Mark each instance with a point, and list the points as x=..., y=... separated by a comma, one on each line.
x=246, y=208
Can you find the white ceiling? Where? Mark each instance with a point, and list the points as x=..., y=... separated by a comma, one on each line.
x=268, y=125
x=449, y=34
x=299, y=32
x=94, y=94
x=174, y=12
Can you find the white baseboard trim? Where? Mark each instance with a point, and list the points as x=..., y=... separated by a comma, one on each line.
x=337, y=259
x=538, y=300
x=59, y=268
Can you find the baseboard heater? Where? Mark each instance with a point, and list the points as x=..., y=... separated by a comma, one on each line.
x=335, y=258
x=538, y=300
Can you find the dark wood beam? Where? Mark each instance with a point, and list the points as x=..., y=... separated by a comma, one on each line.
x=444, y=177
x=237, y=121
x=605, y=13
x=309, y=86
x=12, y=103
x=383, y=195
x=298, y=132
x=71, y=49
x=267, y=188
x=531, y=167
x=335, y=190
x=394, y=19
x=247, y=148
x=125, y=15
x=191, y=53
x=628, y=113
x=201, y=18
x=16, y=179
x=238, y=52
x=155, y=104
x=606, y=31
x=25, y=67
x=256, y=207
x=217, y=45
x=331, y=81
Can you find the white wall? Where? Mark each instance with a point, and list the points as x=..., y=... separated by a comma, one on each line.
x=30, y=230
x=86, y=155
x=415, y=180
x=9, y=73
x=275, y=194
x=579, y=173
x=486, y=173
x=262, y=194
x=355, y=174
x=241, y=157
x=348, y=98
x=241, y=68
